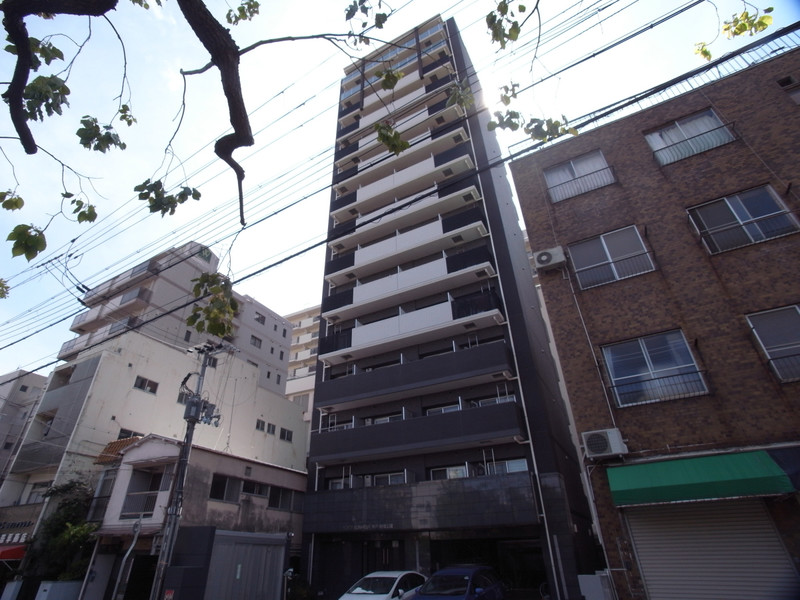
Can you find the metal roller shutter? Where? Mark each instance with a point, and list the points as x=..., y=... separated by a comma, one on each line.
x=711, y=550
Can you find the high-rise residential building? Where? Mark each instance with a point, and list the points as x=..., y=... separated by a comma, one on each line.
x=20, y=392
x=439, y=434
x=668, y=244
x=303, y=358
x=129, y=374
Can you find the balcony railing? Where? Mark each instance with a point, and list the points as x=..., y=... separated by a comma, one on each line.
x=138, y=504
x=630, y=266
x=581, y=185
x=655, y=389
x=737, y=235
x=786, y=368
x=695, y=145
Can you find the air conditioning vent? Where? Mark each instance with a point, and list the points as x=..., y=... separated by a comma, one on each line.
x=447, y=172
x=439, y=120
x=604, y=442
x=552, y=258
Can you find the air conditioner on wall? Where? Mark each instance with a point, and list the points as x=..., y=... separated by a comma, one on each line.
x=604, y=442
x=552, y=258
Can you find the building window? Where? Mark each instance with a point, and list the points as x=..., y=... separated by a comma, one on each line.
x=187, y=336
x=23, y=388
x=278, y=378
x=212, y=362
x=124, y=434
x=271, y=428
x=438, y=410
x=272, y=350
x=502, y=467
x=284, y=332
x=225, y=488
x=742, y=219
x=688, y=136
x=260, y=318
x=778, y=333
x=384, y=479
x=653, y=368
x=145, y=384
x=260, y=425
x=286, y=435
x=38, y=490
x=281, y=355
x=609, y=257
x=578, y=176
x=254, y=341
x=339, y=483
x=457, y=472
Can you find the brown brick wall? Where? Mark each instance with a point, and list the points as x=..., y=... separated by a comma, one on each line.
x=705, y=296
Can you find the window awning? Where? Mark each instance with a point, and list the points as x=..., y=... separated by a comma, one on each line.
x=755, y=473
x=15, y=552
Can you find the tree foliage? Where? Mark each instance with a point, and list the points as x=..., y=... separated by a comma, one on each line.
x=62, y=547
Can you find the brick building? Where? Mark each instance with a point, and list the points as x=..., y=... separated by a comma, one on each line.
x=667, y=243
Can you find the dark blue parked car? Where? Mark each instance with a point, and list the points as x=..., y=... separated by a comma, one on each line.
x=462, y=583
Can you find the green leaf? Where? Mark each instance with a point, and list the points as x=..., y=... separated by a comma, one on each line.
x=389, y=78
x=28, y=240
x=160, y=201
x=4, y=289
x=217, y=314
x=10, y=201
x=45, y=95
x=246, y=11
x=95, y=137
x=390, y=138
x=380, y=20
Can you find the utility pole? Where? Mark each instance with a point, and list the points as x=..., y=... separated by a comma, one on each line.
x=197, y=410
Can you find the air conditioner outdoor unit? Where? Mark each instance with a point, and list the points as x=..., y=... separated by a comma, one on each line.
x=604, y=442
x=551, y=258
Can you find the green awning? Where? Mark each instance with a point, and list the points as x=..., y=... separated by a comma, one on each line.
x=700, y=478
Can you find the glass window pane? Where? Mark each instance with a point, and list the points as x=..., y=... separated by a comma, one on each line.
x=625, y=360
x=589, y=163
x=668, y=351
x=588, y=253
x=778, y=331
x=622, y=243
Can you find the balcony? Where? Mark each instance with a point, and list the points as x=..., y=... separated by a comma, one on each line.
x=427, y=324
x=415, y=244
x=383, y=222
x=427, y=505
x=416, y=122
x=407, y=183
x=120, y=283
x=492, y=424
x=71, y=348
x=466, y=367
x=431, y=278
x=367, y=173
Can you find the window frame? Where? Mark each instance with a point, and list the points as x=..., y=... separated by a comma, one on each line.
x=580, y=182
x=660, y=146
x=146, y=385
x=612, y=264
x=653, y=384
x=774, y=353
x=746, y=226
x=256, y=341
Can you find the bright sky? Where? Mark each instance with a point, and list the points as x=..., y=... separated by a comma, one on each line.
x=291, y=90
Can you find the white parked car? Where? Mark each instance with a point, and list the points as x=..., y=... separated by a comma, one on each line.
x=385, y=585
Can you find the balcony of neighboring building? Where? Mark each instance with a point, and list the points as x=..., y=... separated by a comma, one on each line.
x=380, y=223
x=133, y=301
x=470, y=365
x=425, y=505
x=434, y=169
x=121, y=283
x=491, y=424
x=71, y=348
x=405, y=284
x=360, y=148
x=404, y=246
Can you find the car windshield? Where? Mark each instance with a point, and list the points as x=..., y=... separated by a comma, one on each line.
x=445, y=585
x=373, y=585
